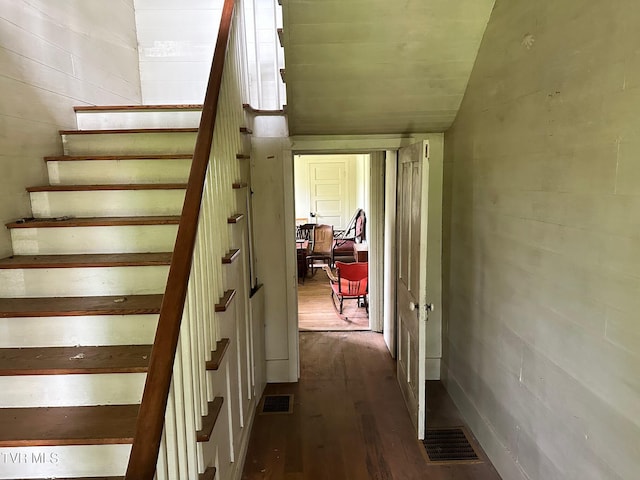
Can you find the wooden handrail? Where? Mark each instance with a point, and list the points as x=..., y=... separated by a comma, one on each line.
x=149, y=426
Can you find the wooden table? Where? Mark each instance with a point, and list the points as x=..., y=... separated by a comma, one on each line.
x=361, y=252
x=302, y=246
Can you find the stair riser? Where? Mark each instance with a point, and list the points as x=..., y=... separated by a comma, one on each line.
x=137, y=119
x=81, y=330
x=75, y=282
x=71, y=390
x=53, y=462
x=107, y=203
x=128, y=143
x=95, y=172
x=112, y=239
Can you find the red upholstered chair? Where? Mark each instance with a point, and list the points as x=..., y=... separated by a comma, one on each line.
x=349, y=282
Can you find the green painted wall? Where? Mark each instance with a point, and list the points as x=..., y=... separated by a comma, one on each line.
x=542, y=241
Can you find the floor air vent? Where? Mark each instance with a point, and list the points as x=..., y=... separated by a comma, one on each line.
x=276, y=404
x=450, y=445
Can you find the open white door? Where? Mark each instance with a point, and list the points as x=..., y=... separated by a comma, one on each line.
x=411, y=243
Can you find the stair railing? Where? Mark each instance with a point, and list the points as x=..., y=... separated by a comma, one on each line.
x=175, y=396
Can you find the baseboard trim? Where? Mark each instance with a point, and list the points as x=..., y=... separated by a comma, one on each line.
x=278, y=371
x=433, y=369
x=506, y=465
x=238, y=466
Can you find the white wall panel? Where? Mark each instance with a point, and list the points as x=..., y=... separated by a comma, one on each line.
x=54, y=55
x=265, y=54
x=176, y=40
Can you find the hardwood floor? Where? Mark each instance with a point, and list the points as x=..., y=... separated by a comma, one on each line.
x=316, y=312
x=349, y=420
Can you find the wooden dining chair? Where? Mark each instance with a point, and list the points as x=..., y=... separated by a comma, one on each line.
x=321, y=248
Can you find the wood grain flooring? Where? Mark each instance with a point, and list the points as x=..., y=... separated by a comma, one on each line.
x=316, y=312
x=349, y=420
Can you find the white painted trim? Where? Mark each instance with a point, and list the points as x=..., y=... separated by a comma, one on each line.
x=310, y=144
x=433, y=369
x=123, y=119
x=434, y=252
x=506, y=465
x=61, y=461
x=291, y=267
x=238, y=466
x=375, y=239
x=389, y=318
x=301, y=144
x=278, y=370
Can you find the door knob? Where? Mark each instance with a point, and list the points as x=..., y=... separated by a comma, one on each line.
x=428, y=307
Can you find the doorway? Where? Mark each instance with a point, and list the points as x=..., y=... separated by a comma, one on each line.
x=331, y=190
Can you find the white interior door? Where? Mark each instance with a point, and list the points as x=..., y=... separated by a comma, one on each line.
x=328, y=192
x=411, y=244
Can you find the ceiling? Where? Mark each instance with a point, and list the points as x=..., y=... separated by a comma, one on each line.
x=378, y=66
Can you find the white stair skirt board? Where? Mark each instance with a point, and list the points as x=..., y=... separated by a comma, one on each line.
x=94, y=172
x=116, y=119
x=218, y=445
x=107, y=239
x=107, y=203
x=129, y=143
x=77, y=282
x=71, y=390
x=94, y=330
x=62, y=462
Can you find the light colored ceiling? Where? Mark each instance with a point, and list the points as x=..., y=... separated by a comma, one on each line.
x=378, y=66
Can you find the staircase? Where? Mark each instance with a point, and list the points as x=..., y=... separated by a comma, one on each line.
x=80, y=298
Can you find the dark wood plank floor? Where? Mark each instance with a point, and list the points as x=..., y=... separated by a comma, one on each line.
x=349, y=420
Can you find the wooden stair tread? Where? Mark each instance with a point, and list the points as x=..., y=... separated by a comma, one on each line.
x=231, y=256
x=74, y=360
x=110, y=186
x=51, y=426
x=93, y=221
x=225, y=301
x=216, y=356
x=142, y=156
x=258, y=111
x=86, y=260
x=235, y=218
x=209, y=474
x=102, y=108
x=128, y=130
x=76, y=306
x=209, y=421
